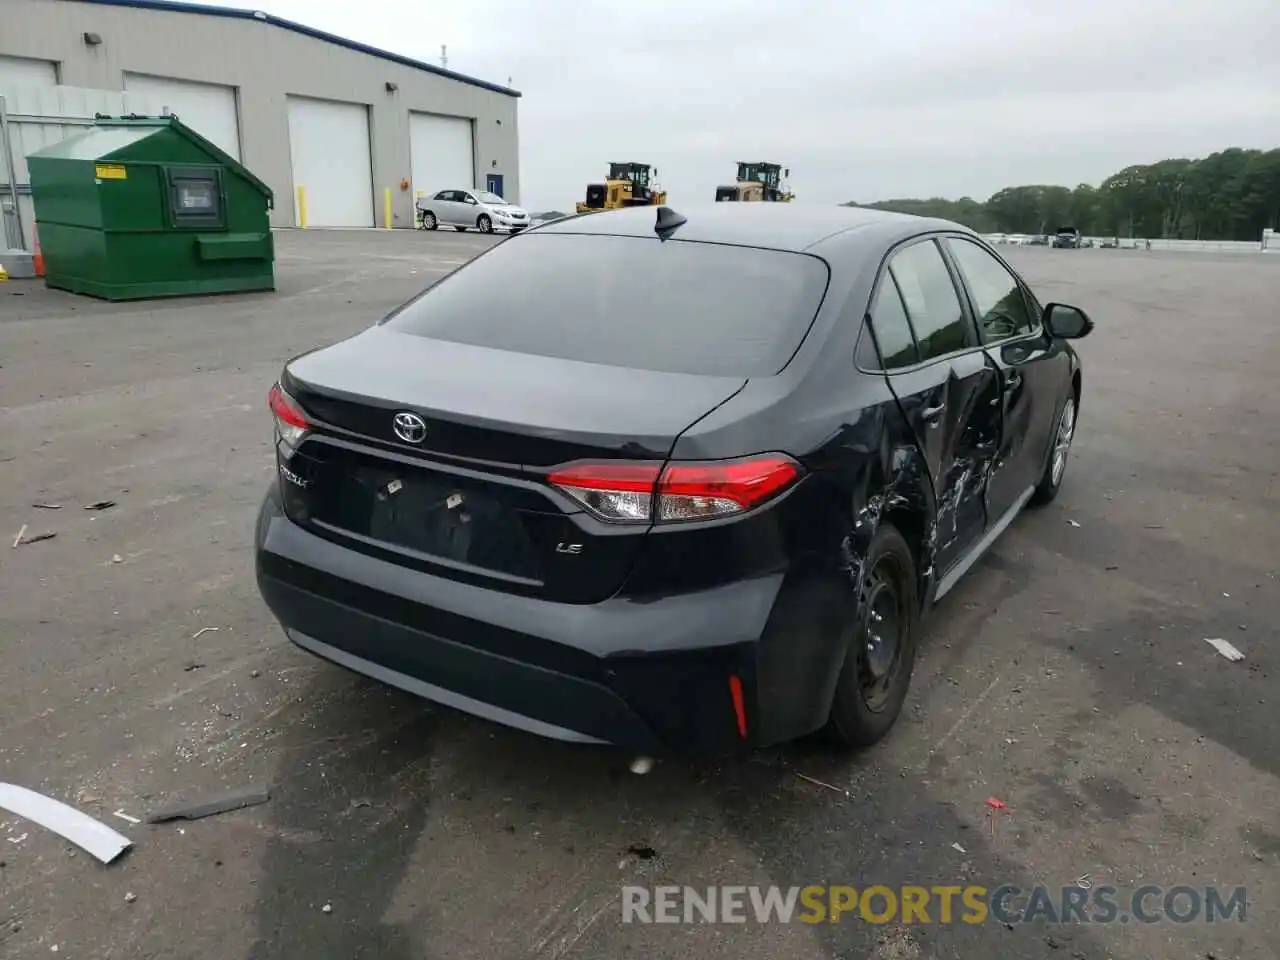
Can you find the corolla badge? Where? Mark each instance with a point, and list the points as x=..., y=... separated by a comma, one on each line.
x=409, y=427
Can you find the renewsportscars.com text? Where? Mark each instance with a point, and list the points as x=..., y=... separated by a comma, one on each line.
x=1007, y=904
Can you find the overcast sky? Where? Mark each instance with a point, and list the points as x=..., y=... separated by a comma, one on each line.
x=863, y=101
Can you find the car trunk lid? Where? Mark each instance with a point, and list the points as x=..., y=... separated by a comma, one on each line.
x=470, y=501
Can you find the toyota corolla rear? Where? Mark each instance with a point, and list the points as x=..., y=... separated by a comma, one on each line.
x=475, y=499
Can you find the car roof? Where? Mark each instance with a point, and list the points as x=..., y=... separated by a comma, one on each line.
x=779, y=226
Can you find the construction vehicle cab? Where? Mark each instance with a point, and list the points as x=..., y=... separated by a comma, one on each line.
x=629, y=185
x=757, y=181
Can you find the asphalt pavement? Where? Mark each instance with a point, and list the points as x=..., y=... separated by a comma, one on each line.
x=1067, y=676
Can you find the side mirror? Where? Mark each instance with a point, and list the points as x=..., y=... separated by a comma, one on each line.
x=472, y=201
x=1065, y=322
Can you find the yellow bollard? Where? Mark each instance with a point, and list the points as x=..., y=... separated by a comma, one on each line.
x=386, y=208
x=302, y=207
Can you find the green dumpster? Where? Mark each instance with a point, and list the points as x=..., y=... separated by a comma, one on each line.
x=140, y=207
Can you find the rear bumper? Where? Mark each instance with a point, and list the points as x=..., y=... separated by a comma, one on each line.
x=648, y=676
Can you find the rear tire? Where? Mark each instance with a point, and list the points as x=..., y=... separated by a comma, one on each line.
x=880, y=658
x=429, y=221
x=1056, y=468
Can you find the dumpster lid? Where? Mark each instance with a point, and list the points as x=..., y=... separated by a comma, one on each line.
x=109, y=135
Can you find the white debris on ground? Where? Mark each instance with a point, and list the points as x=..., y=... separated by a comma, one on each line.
x=1224, y=648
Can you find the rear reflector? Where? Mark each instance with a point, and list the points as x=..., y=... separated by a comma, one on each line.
x=631, y=492
x=739, y=704
x=291, y=422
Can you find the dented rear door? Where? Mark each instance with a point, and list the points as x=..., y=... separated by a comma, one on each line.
x=946, y=387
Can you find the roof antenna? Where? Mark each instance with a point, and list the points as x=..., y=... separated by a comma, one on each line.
x=668, y=221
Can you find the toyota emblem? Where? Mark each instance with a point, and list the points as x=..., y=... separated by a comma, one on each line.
x=409, y=427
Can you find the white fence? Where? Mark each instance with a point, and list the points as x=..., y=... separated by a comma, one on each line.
x=1270, y=241
x=34, y=117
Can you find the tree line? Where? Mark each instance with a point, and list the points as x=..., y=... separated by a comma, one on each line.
x=1230, y=195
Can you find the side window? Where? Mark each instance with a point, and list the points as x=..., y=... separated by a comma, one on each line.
x=443, y=195
x=998, y=300
x=932, y=302
x=891, y=328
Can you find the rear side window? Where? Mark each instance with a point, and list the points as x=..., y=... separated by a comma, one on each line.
x=676, y=307
x=891, y=328
x=998, y=300
x=931, y=300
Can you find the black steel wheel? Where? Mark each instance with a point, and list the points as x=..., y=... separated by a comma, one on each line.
x=880, y=658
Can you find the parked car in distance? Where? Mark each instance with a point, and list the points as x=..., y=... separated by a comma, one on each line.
x=1066, y=238
x=674, y=481
x=470, y=209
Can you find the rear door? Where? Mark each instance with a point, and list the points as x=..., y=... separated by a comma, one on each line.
x=1031, y=379
x=452, y=206
x=439, y=205
x=945, y=385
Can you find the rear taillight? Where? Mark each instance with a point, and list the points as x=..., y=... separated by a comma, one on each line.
x=630, y=492
x=291, y=422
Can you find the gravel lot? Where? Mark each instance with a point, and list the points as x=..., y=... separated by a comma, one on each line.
x=1068, y=675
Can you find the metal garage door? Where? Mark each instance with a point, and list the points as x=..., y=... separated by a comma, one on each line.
x=207, y=108
x=20, y=82
x=329, y=147
x=20, y=72
x=441, y=153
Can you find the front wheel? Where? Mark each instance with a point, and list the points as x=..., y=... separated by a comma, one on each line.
x=429, y=221
x=484, y=224
x=1051, y=480
x=876, y=673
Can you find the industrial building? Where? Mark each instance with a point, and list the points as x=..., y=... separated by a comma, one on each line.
x=329, y=124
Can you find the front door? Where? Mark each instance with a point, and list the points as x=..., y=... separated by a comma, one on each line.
x=946, y=387
x=1030, y=372
x=493, y=183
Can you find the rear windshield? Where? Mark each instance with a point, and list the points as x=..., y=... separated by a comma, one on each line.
x=675, y=307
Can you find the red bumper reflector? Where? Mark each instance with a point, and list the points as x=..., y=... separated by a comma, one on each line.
x=739, y=704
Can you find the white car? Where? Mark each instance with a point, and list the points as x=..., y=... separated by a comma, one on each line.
x=463, y=209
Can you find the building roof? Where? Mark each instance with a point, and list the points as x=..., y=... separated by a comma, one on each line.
x=231, y=13
x=780, y=226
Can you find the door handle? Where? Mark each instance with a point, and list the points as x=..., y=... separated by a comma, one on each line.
x=1013, y=380
x=933, y=414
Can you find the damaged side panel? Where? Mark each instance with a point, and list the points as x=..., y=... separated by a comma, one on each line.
x=870, y=471
x=953, y=409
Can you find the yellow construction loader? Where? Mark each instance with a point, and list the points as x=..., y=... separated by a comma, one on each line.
x=757, y=182
x=629, y=185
